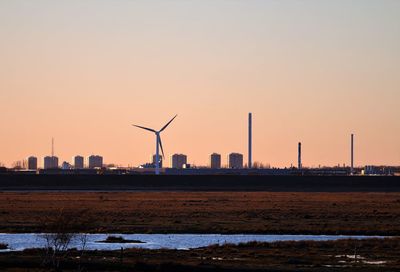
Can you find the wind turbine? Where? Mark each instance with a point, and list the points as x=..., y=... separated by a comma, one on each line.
x=158, y=143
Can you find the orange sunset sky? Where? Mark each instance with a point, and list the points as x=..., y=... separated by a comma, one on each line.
x=83, y=71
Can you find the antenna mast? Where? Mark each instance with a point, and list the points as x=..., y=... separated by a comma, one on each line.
x=52, y=147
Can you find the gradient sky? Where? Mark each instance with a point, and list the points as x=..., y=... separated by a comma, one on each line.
x=311, y=71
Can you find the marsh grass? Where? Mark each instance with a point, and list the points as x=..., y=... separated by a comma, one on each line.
x=210, y=212
x=372, y=255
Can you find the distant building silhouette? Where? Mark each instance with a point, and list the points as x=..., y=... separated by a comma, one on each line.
x=50, y=162
x=32, y=163
x=79, y=162
x=352, y=155
x=66, y=166
x=95, y=161
x=299, y=163
x=154, y=160
x=235, y=160
x=250, y=143
x=215, y=161
x=178, y=161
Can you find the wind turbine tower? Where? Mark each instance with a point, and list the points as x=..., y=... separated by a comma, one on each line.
x=250, y=163
x=158, y=143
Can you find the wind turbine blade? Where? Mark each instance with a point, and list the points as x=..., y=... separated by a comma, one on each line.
x=162, y=150
x=149, y=129
x=164, y=127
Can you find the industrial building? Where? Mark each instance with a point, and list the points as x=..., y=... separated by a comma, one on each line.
x=95, y=161
x=178, y=161
x=371, y=170
x=250, y=141
x=79, y=162
x=352, y=155
x=235, y=161
x=160, y=160
x=32, y=163
x=299, y=163
x=50, y=162
x=215, y=161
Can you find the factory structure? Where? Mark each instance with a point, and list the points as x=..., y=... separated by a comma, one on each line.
x=179, y=161
x=250, y=162
x=51, y=163
x=32, y=163
x=235, y=161
x=352, y=155
x=79, y=162
x=299, y=165
x=215, y=161
x=94, y=164
x=95, y=161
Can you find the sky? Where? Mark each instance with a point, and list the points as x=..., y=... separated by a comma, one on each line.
x=84, y=71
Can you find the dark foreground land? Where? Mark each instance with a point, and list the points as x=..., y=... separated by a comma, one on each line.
x=367, y=213
x=342, y=255
x=279, y=183
x=207, y=212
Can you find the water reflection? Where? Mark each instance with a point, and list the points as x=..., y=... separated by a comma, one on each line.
x=18, y=242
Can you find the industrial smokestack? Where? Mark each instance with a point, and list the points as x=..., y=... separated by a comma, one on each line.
x=299, y=157
x=250, y=163
x=352, y=154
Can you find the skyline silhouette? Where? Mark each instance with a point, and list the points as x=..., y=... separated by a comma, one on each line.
x=311, y=72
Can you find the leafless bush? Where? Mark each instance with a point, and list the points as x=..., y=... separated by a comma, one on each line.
x=3, y=246
x=60, y=230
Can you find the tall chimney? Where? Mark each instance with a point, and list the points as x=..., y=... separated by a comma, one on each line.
x=352, y=154
x=299, y=157
x=250, y=163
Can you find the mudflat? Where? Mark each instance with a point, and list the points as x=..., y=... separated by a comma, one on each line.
x=208, y=212
x=342, y=255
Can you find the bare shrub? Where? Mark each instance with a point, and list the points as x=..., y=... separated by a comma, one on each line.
x=60, y=230
x=3, y=246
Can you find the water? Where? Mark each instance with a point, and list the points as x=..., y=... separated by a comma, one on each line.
x=21, y=241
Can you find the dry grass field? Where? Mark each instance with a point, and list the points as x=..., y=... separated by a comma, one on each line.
x=209, y=212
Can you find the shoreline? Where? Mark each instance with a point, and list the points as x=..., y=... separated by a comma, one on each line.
x=346, y=255
x=294, y=233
